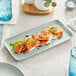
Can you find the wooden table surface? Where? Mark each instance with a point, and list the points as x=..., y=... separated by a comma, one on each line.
x=54, y=61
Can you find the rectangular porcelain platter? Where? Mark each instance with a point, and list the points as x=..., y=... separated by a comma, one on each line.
x=66, y=36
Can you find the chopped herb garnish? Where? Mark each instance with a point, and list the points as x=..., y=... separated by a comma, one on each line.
x=33, y=42
x=53, y=29
x=38, y=48
x=47, y=44
x=11, y=44
x=28, y=39
x=25, y=40
x=25, y=52
x=19, y=44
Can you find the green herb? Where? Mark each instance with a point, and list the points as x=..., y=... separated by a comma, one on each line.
x=33, y=42
x=47, y=44
x=19, y=44
x=54, y=4
x=38, y=48
x=53, y=29
x=25, y=52
x=28, y=39
x=11, y=44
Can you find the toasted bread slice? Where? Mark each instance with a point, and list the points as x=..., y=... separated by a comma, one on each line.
x=31, y=9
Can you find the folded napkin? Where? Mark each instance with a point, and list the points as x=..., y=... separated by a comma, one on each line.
x=15, y=9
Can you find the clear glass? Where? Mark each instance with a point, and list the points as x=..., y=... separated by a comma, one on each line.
x=72, y=21
x=5, y=10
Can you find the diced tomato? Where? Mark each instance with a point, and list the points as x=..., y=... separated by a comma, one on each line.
x=35, y=36
x=59, y=35
x=42, y=42
x=43, y=32
x=32, y=43
x=22, y=48
x=55, y=29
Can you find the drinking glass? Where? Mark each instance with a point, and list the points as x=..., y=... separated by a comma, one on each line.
x=5, y=10
x=72, y=65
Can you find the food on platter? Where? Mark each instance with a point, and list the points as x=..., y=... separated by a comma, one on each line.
x=56, y=31
x=38, y=39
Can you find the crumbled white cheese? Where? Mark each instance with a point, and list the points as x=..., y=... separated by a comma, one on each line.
x=51, y=36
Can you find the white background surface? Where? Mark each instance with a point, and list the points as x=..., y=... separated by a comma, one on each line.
x=54, y=61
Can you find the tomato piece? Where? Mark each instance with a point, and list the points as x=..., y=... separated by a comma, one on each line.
x=46, y=31
x=22, y=48
x=42, y=42
x=35, y=36
x=55, y=29
x=59, y=35
x=32, y=43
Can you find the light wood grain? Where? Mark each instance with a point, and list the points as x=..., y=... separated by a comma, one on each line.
x=54, y=61
x=31, y=9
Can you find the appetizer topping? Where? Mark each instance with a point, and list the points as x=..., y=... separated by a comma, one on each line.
x=11, y=44
x=44, y=37
x=31, y=43
x=35, y=36
x=47, y=44
x=25, y=52
x=20, y=46
x=59, y=35
x=52, y=29
x=55, y=29
x=37, y=39
x=59, y=30
x=38, y=47
x=46, y=31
